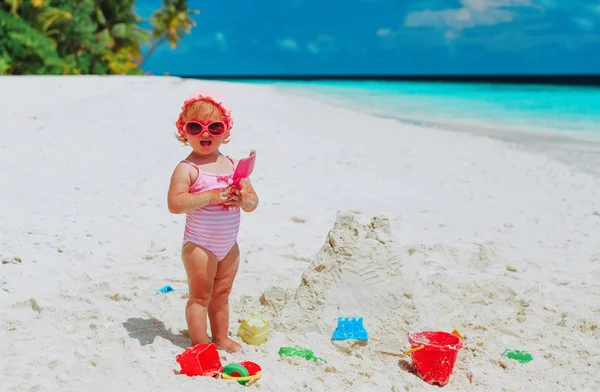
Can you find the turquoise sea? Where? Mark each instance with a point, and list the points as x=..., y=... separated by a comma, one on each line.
x=536, y=108
x=561, y=121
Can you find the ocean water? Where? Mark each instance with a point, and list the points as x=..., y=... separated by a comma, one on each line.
x=559, y=121
x=573, y=111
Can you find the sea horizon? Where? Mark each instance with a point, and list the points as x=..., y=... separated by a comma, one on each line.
x=552, y=79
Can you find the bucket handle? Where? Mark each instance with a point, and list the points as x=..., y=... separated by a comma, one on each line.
x=457, y=334
x=412, y=350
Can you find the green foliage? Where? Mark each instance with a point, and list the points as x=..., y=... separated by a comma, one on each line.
x=24, y=50
x=84, y=36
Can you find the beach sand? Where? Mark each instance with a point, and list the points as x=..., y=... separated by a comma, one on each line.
x=409, y=227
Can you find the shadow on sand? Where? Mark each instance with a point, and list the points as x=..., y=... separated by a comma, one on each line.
x=406, y=366
x=146, y=330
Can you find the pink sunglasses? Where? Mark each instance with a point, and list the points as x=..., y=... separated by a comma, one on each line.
x=195, y=128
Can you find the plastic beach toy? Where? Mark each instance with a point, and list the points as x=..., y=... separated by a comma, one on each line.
x=518, y=355
x=203, y=360
x=200, y=360
x=350, y=328
x=245, y=373
x=255, y=329
x=298, y=351
x=244, y=168
x=167, y=289
x=433, y=354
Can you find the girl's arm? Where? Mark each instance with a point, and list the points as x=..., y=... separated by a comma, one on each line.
x=249, y=196
x=179, y=198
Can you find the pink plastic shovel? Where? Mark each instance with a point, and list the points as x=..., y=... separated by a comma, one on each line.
x=244, y=169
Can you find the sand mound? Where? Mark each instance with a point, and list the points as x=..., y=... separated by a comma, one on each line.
x=354, y=274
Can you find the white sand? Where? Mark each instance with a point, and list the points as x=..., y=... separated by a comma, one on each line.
x=484, y=237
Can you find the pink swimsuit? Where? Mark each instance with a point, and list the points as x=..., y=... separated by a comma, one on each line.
x=212, y=227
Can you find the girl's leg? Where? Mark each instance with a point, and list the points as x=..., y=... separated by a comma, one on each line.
x=218, y=308
x=201, y=268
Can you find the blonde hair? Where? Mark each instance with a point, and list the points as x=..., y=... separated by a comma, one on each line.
x=200, y=110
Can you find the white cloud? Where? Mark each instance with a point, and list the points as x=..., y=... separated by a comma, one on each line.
x=216, y=41
x=450, y=35
x=221, y=42
x=472, y=13
x=482, y=5
x=322, y=44
x=388, y=37
x=384, y=32
x=584, y=24
x=287, y=44
x=458, y=19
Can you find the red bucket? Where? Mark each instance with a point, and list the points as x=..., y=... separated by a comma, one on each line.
x=433, y=354
x=200, y=360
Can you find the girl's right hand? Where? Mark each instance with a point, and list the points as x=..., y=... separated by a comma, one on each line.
x=217, y=196
x=225, y=194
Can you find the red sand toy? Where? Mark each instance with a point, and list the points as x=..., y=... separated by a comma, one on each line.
x=200, y=360
x=434, y=354
x=203, y=360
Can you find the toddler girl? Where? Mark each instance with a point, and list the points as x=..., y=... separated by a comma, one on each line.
x=200, y=188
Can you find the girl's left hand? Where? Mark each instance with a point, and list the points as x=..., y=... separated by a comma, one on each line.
x=234, y=198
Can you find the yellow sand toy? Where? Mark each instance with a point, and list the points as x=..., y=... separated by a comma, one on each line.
x=255, y=329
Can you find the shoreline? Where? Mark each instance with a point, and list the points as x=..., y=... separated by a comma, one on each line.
x=581, y=149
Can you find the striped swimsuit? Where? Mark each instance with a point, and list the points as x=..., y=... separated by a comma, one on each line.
x=212, y=227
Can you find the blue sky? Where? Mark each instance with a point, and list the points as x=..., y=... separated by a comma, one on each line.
x=407, y=37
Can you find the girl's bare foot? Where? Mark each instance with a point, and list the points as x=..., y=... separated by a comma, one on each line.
x=231, y=346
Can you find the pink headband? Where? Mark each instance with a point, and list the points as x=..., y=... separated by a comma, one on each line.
x=206, y=95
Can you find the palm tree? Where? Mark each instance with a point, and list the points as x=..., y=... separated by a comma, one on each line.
x=118, y=27
x=38, y=13
x=84, y=36
x=24, y=49
x=169, y=23
x=48, y=19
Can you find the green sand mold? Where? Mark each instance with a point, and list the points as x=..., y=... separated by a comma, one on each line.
x=298, y=351
x=518, y=355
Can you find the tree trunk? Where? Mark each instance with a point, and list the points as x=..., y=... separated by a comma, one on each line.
x=92, y=65
x=154, y=46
